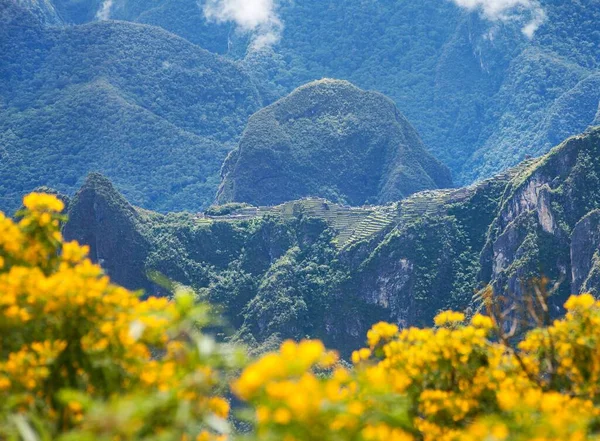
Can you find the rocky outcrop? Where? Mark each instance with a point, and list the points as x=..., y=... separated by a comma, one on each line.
x=102, y=219
x=506, y=232
x=283, y=273
x=585, y=252
x=538, y=215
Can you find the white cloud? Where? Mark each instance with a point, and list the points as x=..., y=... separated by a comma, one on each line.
x=509, y=10
x=258, y=17
x=104, y=11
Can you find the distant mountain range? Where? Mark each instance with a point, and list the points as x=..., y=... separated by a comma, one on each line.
x=143, y=101
x=152, y=111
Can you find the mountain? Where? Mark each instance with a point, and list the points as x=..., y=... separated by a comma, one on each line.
x=29, y=12
x=333, y=140
x=482, y=95
x=152, y=111
x=318, y=269
x=180, y=17
x=114, y=223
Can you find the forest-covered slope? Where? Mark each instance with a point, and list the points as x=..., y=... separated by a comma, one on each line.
x=150, y=110
x=313, y=268
x=481, y=94
x=333, y=140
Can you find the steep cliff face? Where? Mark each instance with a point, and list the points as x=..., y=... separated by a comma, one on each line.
x=536, y=231
x=429, y=260
x=334, y=140
x=317, y=269
x=540, y=219
x=585, y=254
x=101, y=218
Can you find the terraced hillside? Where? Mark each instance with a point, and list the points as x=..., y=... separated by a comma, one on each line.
x=347, y=221
x=357, y=224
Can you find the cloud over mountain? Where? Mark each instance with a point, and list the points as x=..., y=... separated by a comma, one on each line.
x=258, y=17
x=509, y=10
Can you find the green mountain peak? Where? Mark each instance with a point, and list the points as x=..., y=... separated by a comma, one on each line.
x=329, y=139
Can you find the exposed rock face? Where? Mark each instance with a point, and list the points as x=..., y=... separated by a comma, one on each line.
x=333, y=140
x=528, y=223
x=585, y=250
x=536, y=231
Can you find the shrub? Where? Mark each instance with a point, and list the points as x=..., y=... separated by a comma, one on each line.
x=446, y=383
x=83, y=359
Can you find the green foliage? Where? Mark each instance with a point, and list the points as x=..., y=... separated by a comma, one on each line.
x=222, y=210
x=473, y=89
x=333, y=140
x=481, y=95
x=314, y=268
x=150, y=110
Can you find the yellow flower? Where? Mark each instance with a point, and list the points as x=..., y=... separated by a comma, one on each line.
x=481, y=321
x=262, y=414
x=449, y=318
x=583, y=301
x=219, y=406
x=42, y=201
x=382, y=331
x=74, y=406
x=282, y=416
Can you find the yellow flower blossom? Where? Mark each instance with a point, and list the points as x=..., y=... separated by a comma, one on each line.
x=84, y=356
x=67, y=330
x=42, y=201
x=449, y=318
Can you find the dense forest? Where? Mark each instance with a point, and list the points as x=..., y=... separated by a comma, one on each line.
x=179, y=110
x=472, y=88
x=329, y=139
x=152, y=111
x=481, y=95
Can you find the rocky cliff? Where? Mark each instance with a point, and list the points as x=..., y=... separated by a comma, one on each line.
x=102, y=219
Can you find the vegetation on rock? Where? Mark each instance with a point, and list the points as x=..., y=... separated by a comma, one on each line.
x=312, y=268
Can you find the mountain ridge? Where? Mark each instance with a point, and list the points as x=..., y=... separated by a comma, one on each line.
x=340, y=269
x=149, y=109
